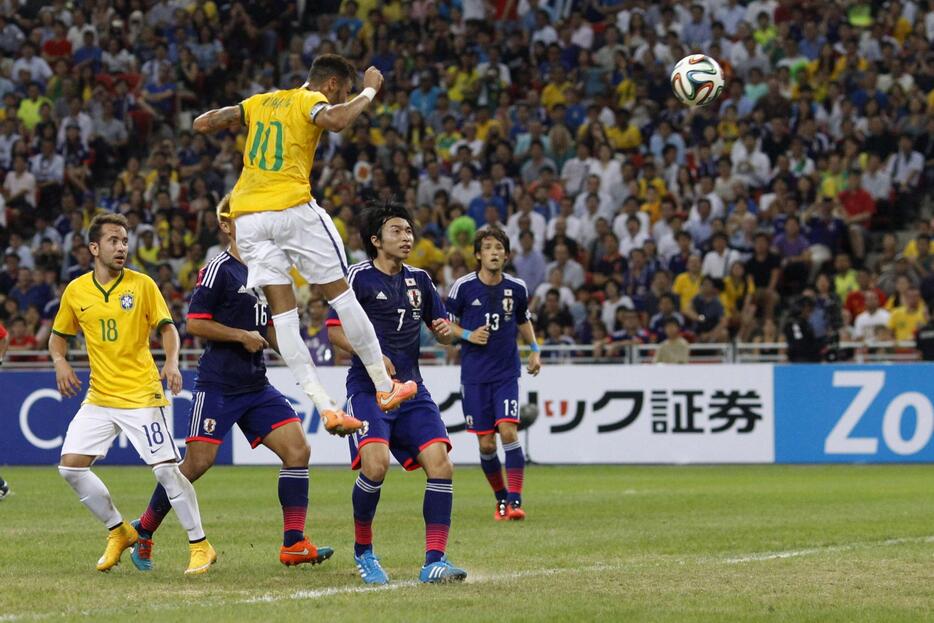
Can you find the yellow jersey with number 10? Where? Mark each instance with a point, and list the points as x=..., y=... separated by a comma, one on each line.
x=279, y=152
x=116, y=319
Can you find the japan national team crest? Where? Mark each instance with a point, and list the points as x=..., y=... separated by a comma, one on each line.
x=507, y=304
x=127, y=300
x=415, y=298
x=209, y=425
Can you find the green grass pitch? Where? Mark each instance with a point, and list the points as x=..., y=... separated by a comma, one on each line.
x=763, y=543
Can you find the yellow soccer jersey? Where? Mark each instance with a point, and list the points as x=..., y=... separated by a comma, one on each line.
x=116, y=319
x=279, y=152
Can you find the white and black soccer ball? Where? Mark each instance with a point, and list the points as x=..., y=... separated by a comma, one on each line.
x=697, y=80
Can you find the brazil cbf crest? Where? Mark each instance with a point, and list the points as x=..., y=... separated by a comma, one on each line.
x=127, y=300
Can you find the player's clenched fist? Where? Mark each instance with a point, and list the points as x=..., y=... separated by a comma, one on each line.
x=441, y=327
x=480, y=336
x=373, y=78
x=253, y=342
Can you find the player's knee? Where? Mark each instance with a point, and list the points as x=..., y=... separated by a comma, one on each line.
x=375, y=470
x=442, y=468
x=508, y=432
x=296, y=455
x=487, y=443
x=194, y=467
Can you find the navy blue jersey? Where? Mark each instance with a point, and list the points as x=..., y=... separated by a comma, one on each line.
x=221, y=295
x=397, y=305
x=503, y=307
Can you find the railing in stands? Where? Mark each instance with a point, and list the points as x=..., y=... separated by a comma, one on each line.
x=737, y=352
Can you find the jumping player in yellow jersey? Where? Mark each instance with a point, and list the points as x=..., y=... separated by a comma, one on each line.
x=116, y=309
x=279, y=224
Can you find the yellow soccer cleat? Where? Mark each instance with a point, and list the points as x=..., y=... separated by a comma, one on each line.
x=120, y=538
x=202, y=557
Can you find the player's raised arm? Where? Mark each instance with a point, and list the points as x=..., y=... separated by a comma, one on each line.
x=335, y=118
x=228, y=117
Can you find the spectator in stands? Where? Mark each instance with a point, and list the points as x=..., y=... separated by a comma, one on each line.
x=907, y=318
x=675, y=349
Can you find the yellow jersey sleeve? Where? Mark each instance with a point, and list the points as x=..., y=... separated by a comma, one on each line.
x=66, y=321
x=157, y=311
x=310, y=99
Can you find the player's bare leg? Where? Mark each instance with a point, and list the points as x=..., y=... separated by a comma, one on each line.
x=93, y=493
x=292, y=349
x=515, y=468
x=362, y=337
x=493, y=470
x=291, y=446
x=436, y=509
x=374, y=463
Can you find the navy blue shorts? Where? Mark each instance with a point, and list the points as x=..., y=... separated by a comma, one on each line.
x=488, y=404
x=407, y=430
x=256, y=413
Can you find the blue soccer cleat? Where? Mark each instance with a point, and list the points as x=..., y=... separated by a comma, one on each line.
x=141, y=554
x=371, y=572
x=442, y=572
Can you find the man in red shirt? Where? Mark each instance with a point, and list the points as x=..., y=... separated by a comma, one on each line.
x=58, y=46
x=856, y=300
x=858, y=208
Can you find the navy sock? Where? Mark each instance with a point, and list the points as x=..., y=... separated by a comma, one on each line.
x=439, y=498
x=293, y=496
x=159, y=507
x=493, y=470
x=365, y=498
x=515, y=470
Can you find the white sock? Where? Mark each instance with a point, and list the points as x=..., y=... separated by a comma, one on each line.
x=93, y=493
x=293, y=351
x=361, y=335
x=182, y=497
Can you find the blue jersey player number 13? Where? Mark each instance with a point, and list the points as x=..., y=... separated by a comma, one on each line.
x=490, y=309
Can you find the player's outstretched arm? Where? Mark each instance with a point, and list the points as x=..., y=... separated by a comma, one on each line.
x=217, y=332
x=68, y=384
x=336, y=118
x=171, y=344
x=228, y=117
x=527, y=331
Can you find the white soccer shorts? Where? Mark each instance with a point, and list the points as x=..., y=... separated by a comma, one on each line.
x=270, y=243
x=94, y=428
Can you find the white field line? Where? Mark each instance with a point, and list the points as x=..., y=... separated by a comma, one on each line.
x=477, y=578
x=809, y=551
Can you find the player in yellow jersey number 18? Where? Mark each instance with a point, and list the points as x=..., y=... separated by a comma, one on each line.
x=116, y=308
x=279, y=224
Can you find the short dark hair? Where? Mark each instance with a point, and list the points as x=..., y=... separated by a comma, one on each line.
x=328, y=65
x=98, y=222
x=490, y=232
x=374, y=216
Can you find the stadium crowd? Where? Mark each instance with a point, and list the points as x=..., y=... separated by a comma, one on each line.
x=770, y=215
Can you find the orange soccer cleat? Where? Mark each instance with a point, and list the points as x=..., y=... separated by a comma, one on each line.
x=514, y=512
x=400, y=392
x=502, y=511
x=339, y=423
x=304, y=552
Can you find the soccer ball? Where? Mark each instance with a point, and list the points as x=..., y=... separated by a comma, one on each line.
x=697, y=80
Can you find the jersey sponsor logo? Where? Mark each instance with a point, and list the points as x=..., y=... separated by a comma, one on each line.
x=415, y=298
x=209, y=425
x=84, y=309
x=476, y=303
x=243, y=290
x=381, y=297
x=127, y=300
